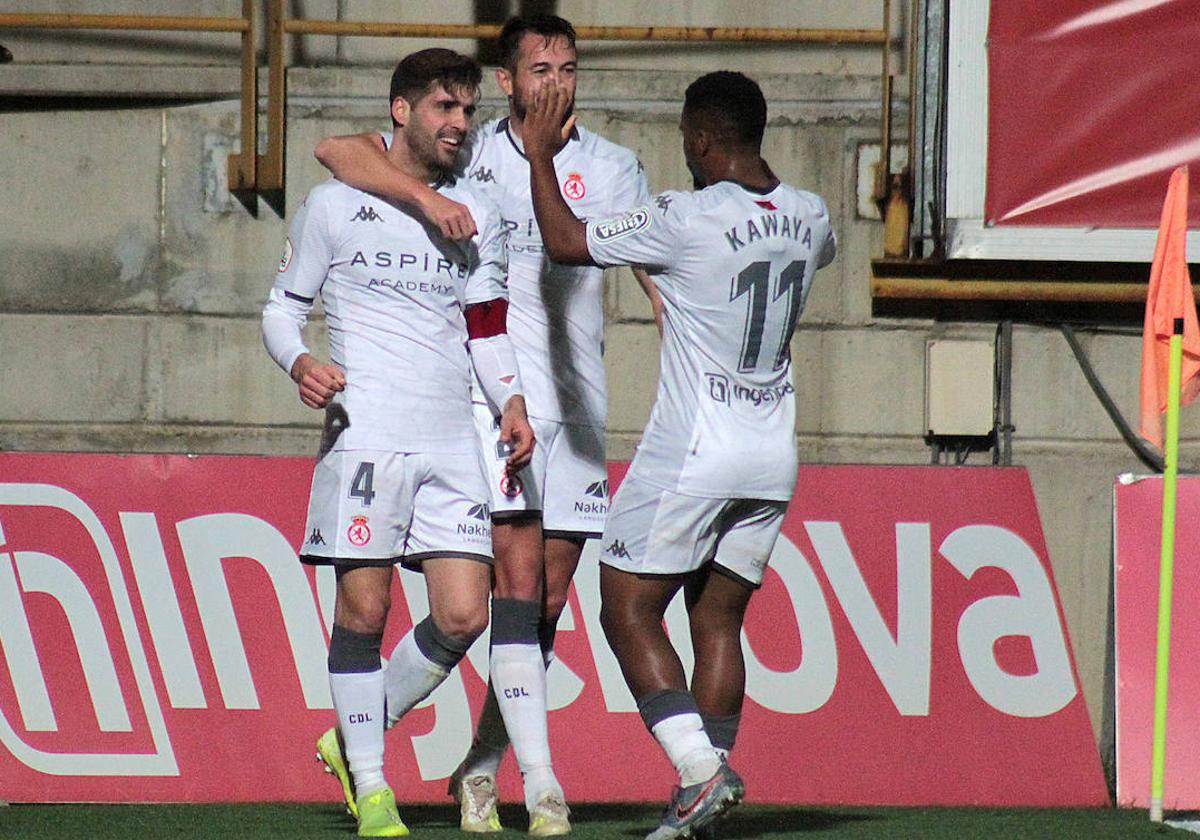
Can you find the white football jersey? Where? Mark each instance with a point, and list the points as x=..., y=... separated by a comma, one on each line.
x=393, y=292
x=556, y=312
x=734, y=267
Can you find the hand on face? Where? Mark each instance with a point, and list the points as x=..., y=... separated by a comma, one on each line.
x=546, y=127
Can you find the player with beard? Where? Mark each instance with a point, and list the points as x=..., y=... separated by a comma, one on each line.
x=702, y=504
x=398, y=479
x=543, y=515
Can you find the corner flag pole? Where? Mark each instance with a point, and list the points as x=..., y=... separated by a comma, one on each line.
x=1166, y=572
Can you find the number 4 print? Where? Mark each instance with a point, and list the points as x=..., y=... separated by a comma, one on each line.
x=755, y=280
x=362, y=487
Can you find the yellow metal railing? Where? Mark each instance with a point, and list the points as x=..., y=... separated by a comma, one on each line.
x=253, y=174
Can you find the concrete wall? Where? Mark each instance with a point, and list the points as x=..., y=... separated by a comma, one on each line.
x=131, y=282
x=95, y=47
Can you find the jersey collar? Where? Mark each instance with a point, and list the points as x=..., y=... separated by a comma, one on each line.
x=756, y=190
x=502, y=127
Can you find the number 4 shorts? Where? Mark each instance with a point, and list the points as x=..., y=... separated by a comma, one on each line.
x=371, y=507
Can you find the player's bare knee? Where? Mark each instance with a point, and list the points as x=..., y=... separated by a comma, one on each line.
x=715, y=623
x=465, y=623
x=439, y=646
x=615, y=618
x=519, y=581
x=364, y=613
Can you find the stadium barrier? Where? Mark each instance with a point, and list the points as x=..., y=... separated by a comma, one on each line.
x=162, y=643
x=1137, y=528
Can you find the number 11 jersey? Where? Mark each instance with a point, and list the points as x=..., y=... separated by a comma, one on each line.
x=734, y=267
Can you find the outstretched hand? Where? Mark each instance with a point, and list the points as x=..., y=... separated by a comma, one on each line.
x=546, y=126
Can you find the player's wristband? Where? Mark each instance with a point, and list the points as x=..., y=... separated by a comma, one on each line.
x=496, y=367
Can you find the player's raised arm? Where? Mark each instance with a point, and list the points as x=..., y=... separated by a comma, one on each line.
x=563, y=235
x=360, y=161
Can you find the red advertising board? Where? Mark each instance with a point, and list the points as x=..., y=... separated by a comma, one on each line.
x=1137, y=533
x=1087, y=112
x=160, y=642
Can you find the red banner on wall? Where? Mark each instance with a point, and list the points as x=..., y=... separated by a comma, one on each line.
x=907, y=647
x=1087, y=116
x=1137, y=532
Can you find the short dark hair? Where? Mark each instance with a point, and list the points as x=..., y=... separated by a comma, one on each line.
x=515, y=28
x=733, y=101
x=416, y=73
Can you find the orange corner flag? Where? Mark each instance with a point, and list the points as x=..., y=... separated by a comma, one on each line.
x=1169, y=297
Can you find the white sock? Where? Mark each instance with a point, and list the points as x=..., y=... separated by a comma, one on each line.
x=687, y=746
x=411, y=677
x=358, y=701
x=490, y=742
x=519, y=680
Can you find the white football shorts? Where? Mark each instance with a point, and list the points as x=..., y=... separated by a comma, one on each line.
x=651, y=531
x=566, y=482
x=371, y=507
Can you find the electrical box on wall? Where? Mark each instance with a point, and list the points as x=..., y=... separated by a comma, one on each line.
x=960, y=387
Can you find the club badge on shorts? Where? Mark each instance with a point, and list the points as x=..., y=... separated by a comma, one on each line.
x=511, y=486
x=358, y=533
x=573, y=187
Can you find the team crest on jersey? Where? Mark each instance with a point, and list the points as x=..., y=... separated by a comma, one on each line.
x=628, y=224
x=358, y=533
x=286, y=259
x=573, y=187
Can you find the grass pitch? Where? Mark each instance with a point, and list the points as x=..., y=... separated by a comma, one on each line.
x=592, y=822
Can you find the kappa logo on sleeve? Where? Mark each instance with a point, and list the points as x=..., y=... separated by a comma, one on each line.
x=630, y=223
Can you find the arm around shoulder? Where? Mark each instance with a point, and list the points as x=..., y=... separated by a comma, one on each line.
x=361, y=161
x=343, y=153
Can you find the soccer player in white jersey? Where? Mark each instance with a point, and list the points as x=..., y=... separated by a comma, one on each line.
x=399, y=477
x=704, y=499
x=542, y=516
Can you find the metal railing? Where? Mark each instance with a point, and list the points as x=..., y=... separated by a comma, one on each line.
x=252, y=174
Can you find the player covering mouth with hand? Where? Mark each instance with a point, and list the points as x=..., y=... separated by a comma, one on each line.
x=703, y=501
